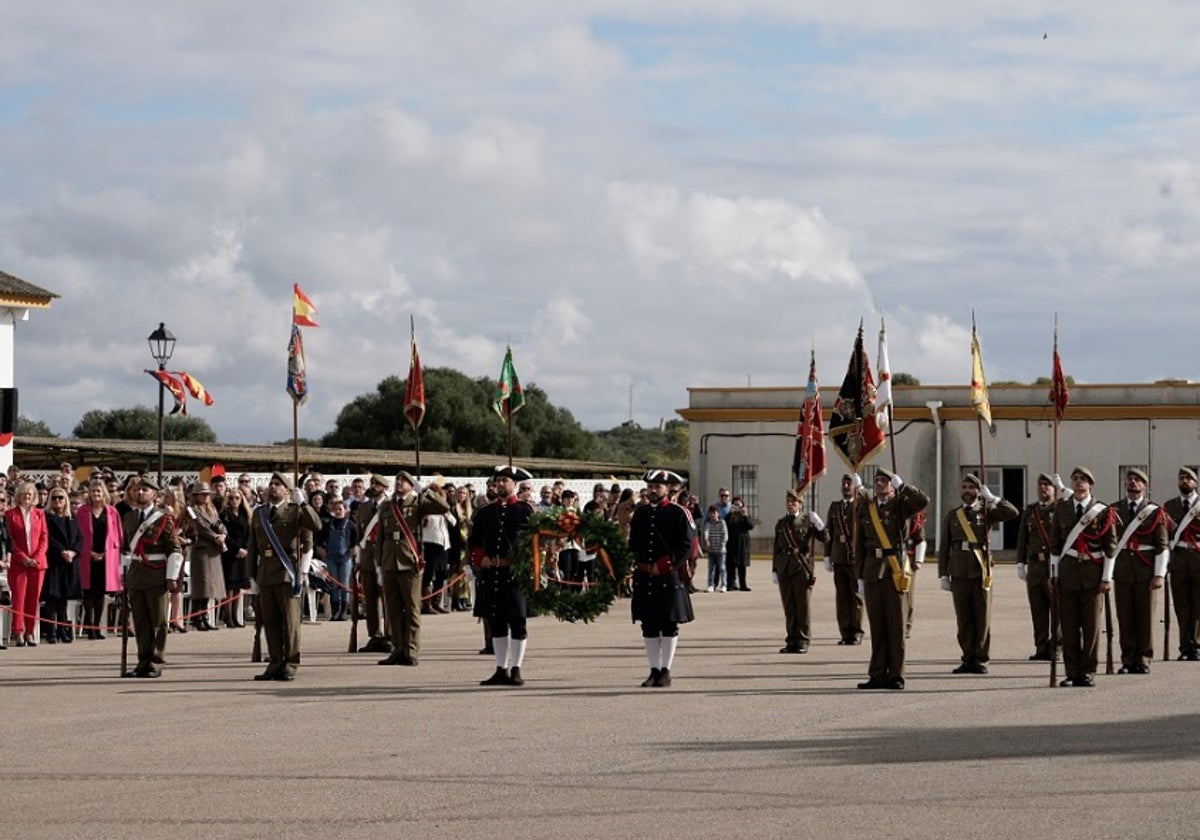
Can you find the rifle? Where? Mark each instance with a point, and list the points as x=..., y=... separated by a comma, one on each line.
x=1053, y=630
x=355, y=591
x=256, y=651
x=1108, y=630
x=1167, y=617
x=124, y=613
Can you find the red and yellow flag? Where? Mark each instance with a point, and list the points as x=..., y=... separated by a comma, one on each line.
x=979, y=390
x=196, y=388
x=304, y=314
x=175, y=385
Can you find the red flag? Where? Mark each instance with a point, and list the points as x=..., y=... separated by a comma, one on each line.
x=175, y=386
x=414, y=390
x=853, y=429
x=808, y=463
x=1059, y=394
x=195, y=387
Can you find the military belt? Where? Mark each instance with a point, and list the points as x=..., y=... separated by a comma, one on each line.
x=880, y=553
x=649, y=568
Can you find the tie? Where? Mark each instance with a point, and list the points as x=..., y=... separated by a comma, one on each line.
x=1079, y=510
x=1132, y=509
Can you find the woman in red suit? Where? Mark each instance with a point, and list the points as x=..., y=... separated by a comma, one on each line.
x=27, y=533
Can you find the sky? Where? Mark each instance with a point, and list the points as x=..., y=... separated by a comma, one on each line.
x=639, y=198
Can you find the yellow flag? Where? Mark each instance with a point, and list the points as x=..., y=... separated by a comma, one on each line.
x=979, y=391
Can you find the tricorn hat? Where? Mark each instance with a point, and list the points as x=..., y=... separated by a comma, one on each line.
x=517, y=474
x=661, y=476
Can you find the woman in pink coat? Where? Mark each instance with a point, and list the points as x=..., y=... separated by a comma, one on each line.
x=100, y=566
x=29, y=538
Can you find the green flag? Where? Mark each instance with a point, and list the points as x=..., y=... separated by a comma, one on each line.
x=508, y=398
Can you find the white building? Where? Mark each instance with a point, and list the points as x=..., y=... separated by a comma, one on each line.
x=17, y=297
x=744, y=438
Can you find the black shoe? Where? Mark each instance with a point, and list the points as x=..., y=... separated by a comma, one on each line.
x=664, y=679
x=652, y=679
x=284, y=676
x=1069, y=682
x=896, y=683
x=802, y=649
x=1144, y=668
x=870, y=685
x=1193, y=656
x=1085, y=682
x=1127, y=669
x=264, y=676
x=857, y=640
x=789, y=649
x=158, y=660
x=66, y=638
x=979, y=668
x=514, y=676
x=486, y=650
x=744, y=588
x=51, y=640
x=147, y=673
x=394, y=659
x=963, y=669
x=1184, y=657
x=100, y=635
x=1040, y=657
x=498, y=678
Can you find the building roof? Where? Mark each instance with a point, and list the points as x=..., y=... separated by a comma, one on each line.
x=17, y=292
x=1171, y=399
x=43, y=452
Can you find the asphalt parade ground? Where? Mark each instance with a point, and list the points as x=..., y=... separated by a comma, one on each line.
x=746, y=743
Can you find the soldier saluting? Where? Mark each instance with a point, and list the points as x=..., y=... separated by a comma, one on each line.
x=273, y=562
x=965, y=568
x=883, y=573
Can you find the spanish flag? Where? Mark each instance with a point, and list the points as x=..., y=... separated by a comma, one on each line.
x=304, y=314
x=196, y=388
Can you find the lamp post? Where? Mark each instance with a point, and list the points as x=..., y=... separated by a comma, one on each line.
x=162, y=345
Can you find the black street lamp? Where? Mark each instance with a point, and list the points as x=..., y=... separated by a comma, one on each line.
x=162, y=345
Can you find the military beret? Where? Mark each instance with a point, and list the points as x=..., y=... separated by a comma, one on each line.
x=1045, y=478
x=200, y=488
x=661, y=476
x=792, y=495
x=971, y=478
x=1138, y=473
x=286, y=481
x=515, y=473
x=1189, y=472
x=847, y=477
x=1085, y=472
x=376, y=478
x=405, y=475
x=884, y=472
x=149, y=484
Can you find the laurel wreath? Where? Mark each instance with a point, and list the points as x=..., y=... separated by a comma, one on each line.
x=535, y=567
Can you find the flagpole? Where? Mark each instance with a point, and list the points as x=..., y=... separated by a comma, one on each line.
x=1053, y=578
x=1054, y=384
x=982, y=460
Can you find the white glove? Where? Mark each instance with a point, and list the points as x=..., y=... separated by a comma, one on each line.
x=919, y=554
x=306, y=560
x=253, y=586
x=379, y=576
x=298, y=496
x=126, y=561
x=862, y=587
x=816, y=520
x=1063, y=490
x=828, y=564
x=418, y=488
x=944, y=580
x=897, y=482
x=470, y=573
x=1021, y=571
x=1055, y=559
x=987, y=495
x=856, y=481
x=774, y=578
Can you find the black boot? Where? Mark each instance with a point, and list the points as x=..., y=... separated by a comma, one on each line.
x=652, y=679
x=498, y=678
x=664, y=678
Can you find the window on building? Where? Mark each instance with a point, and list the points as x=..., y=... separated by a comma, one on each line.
x=745, y=484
